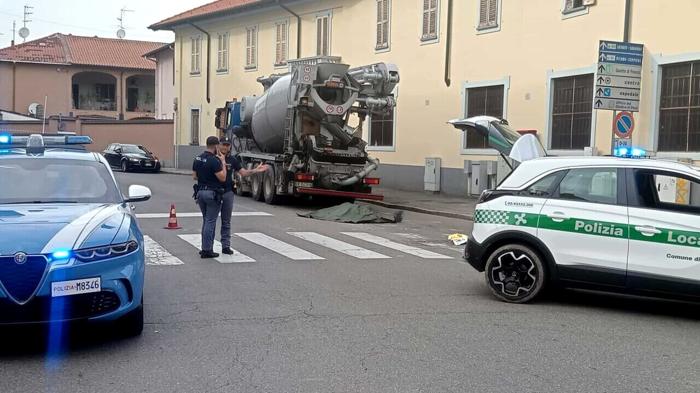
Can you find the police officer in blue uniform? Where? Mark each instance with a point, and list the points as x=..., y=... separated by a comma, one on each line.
x=232, y=166
x=210, y=174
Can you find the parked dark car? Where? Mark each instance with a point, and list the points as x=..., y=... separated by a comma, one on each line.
x=131, y=157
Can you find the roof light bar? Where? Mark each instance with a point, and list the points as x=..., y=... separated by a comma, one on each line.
x=5, y=139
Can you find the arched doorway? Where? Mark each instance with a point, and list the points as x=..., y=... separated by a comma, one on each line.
x=94, y=91
x=141, y=93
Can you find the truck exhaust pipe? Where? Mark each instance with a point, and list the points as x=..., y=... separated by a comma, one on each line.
x=373, y=165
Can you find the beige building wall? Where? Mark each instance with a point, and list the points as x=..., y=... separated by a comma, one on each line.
x=534, y=43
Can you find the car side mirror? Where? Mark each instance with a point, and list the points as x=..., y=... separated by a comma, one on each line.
x=138, y=194
x=118, y=150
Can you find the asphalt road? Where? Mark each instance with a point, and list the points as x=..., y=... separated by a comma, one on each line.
x=407, y=323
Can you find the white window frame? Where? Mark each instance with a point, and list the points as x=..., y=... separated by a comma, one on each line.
x=658, y=61
x=223, y=53
x=574, y=12
x=505, y=82
x=284, y=22
x=551, y=75
x=490, y=29
x=429, y=41
x=199, y=126
x=325, y=14
x=196, y=43
x=378, y=49
x=253, y=48
x=367, y=135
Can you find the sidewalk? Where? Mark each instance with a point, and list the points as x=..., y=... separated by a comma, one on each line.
x=415, y=201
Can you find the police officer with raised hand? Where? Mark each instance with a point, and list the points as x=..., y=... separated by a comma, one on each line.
x=210, y=174
x=232, y=166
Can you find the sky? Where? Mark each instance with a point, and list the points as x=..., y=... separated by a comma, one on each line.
x=91, y=17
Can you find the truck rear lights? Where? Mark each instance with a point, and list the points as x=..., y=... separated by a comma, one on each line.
x=304, y=177
x=371, y=181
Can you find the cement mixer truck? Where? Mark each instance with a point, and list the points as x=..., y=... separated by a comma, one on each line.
x=307, y=126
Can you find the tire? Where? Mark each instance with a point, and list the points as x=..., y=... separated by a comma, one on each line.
x=131, y=324
x=515, y=273
x=256, y=188
x=269, y=189
x=238, y=180
x=124, y=166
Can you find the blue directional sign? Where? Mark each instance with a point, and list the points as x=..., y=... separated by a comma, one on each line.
x=618, y=78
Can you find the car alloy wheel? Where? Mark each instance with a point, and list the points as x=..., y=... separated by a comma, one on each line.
x=515, y=273
x=125, y=166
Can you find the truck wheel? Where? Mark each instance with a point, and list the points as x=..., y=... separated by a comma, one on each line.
x=515, y=273
x=269, y=189
x=256, y=188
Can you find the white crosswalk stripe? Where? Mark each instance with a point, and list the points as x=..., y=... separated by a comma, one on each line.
x=237, y=257
x=419, y=252
x=278, y=246
x=156, y=255
x=340, y=246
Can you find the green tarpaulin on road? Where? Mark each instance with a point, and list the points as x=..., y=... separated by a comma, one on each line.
x=354, y=213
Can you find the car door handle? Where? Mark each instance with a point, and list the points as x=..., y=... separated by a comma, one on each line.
x=647, y=230
x=558, y=216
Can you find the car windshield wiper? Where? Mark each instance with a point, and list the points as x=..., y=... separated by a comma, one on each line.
x=37, y=202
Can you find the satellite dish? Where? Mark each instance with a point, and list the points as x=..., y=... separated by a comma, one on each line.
x=121, y=33
x=33, y=108
x=24, y=32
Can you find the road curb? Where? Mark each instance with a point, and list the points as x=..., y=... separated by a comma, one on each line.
x=467, y=217
x=173, y=171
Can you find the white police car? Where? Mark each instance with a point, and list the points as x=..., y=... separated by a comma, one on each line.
x=605, y=223
x=70, y=247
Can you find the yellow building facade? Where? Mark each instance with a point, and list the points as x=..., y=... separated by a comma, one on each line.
x=531, y=62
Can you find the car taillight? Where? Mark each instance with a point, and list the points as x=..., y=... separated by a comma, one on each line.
x=371, y=181
x=304, y=177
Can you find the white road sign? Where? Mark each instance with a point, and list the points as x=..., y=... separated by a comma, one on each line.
x=616, y=105
x=618, y=93
x=618, y=77
x=621, y=81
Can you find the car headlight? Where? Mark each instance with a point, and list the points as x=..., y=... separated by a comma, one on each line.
x=100, y=253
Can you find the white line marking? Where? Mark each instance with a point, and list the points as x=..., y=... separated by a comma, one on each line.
x=278, y=246
x=337, y=245
x=419, y=252
x=237, y=257
x=156, y=255
x=198, y=214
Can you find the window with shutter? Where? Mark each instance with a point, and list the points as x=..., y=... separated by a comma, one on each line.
x=430, y=20
x=251, y=47
x=572, y=112
x=679, y=112
x=195, y=66
x=573, y=5
x=488, y=14
x=323, y=35
x=383, y=7
x=281, y=44
x=483, y=101
x=222, y=53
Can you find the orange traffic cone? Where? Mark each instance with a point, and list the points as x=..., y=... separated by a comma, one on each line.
x=172, y=222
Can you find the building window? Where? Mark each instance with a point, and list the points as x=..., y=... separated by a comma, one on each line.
x=381, y=130
x=488, y=101
x=323, y=35
x=488, y=14
x=194, y=127
x=679, y=112
x=281, y=43
x=573, y=5
x=572, y=112
x=430, y=20
x=196, y=66
x=251, y=47
x=222, y=53
x=383, y=25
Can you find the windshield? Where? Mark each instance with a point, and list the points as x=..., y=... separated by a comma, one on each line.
x=56, y=181
x=508, y=133
x=131, y=149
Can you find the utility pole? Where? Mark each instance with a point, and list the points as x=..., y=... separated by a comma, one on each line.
x=27, y=12
x=121, y=32
x=14, y=32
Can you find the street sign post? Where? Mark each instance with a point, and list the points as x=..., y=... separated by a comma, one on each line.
x=619, y=76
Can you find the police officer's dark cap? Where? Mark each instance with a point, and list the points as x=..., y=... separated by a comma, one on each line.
x=212, y=141
x=225, y=140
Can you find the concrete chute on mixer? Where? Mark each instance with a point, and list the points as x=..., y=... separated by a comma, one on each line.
x=301, y=127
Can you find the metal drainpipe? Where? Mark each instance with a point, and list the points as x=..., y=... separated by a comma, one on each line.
x=448, y=44
x=121, y=96
x=208, y=58
x=284, y=7
x=14, y=86
x=628, y=20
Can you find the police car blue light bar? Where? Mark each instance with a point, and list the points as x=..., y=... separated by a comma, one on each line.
x=633, y=152
x=48, y=140
x=5, y=139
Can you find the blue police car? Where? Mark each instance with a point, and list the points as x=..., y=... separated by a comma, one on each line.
x=70, y=247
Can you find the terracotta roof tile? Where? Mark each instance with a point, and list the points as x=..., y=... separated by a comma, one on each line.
x=91, y=51
x=207, y=10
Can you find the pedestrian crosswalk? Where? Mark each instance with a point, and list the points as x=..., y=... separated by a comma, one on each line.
x=280, y=244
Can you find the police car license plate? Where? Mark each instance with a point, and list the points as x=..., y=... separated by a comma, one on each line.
x=76, y=287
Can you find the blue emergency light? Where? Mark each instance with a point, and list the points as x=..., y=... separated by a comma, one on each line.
x=633, y=152
x=60, y=255
x=5, y=139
